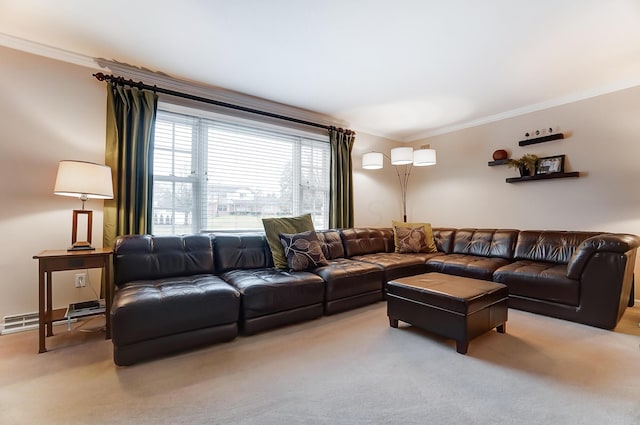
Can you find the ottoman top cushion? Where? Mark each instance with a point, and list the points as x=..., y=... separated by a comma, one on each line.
x=454, y=293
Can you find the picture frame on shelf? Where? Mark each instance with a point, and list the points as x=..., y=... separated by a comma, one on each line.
x=550, y=164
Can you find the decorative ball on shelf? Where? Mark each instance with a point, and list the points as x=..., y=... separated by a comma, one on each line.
x=500, y=154
x=537, y=132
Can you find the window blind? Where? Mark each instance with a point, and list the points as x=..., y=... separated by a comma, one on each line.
x=223, y=175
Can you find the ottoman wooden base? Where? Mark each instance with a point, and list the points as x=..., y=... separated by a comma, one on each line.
x=455, y=307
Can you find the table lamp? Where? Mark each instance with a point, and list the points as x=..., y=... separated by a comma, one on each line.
x=84, y=180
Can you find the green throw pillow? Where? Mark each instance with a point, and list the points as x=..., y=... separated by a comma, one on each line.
x=274, y=226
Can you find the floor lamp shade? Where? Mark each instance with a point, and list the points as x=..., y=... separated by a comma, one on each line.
x=372, y=161
x=83, y=180
x=401, y=156
x=424, y=157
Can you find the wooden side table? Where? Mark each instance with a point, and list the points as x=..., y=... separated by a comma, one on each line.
x=59, y=260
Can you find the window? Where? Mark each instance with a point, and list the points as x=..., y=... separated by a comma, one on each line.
x=212, y=174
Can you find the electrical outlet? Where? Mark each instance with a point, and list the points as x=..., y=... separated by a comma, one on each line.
x=81, y=280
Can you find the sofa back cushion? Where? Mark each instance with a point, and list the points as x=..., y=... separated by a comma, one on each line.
x=241, y=251
x=485, y=242
x=331, y=244
x=549, y=246
x=146, y=257
x=444, y=239
x=362, y=241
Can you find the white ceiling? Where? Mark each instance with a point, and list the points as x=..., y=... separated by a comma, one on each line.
x=401, y=69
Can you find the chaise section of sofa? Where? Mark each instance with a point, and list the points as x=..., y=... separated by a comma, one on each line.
x=167, y=299
x=585, y=277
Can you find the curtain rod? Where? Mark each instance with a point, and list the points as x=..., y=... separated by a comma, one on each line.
x=122, y=81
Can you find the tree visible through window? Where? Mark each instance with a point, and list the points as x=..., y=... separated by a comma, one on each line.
x=214, y=175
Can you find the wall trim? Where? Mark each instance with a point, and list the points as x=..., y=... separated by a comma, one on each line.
x=169, y=82
x=48, y=51
x=623, y=85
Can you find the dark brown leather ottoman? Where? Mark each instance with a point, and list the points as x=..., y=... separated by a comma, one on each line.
x=455, y=307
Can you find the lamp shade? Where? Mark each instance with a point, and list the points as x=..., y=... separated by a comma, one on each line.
x=372, y=161
x=424, y=157
x=401, y=156
x=83, y=179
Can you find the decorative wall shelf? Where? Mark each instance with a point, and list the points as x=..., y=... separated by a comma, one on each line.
x=499, y=162
x=543, y=177
x=542, y=139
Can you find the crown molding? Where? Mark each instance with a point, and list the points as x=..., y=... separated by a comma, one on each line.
x=46, y=51
x=623, y=85
x=166, y=81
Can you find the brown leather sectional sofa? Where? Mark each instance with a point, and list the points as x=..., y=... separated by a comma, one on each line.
x=177, y=292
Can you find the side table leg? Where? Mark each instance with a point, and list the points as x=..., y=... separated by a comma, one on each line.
x=49, y=305
x=41, y=312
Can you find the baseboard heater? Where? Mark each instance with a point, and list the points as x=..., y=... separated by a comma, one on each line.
x=24, y=322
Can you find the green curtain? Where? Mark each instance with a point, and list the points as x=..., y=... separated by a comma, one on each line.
x=341, y=191
x=131, y=115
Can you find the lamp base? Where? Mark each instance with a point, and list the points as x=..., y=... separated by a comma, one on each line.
x=81, y=246
x=77, y=245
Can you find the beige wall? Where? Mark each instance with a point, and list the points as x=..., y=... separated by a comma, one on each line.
x=50, y=111
x=376, y=192
x=603, y=143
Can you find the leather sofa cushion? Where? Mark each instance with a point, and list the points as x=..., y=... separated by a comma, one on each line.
x=397, y=265
x=367, y=241
x=485, y=242
x=466, y=265
x=539, y=280
x=345, y=277
x=331, y=244
x=267, y=291
x=444, y=239
x=241, y=251
x=549, y=246
x=147, y=257
x=148, y=309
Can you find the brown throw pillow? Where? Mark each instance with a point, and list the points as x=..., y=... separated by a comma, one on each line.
x=429, y=240
x=302, y=250
x=411, y=239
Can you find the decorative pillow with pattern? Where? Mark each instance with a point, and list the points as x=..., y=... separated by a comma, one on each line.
x=411, y=239
x=302, y=250
x=274, y=226
x=429, y=240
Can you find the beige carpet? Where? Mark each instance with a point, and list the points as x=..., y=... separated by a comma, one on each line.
x=351, y=368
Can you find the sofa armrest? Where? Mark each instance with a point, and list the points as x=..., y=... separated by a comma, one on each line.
x=606, y=242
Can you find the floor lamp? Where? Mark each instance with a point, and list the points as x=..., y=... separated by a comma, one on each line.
x=404, y=157
x=84, y=180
